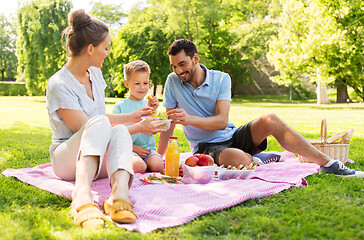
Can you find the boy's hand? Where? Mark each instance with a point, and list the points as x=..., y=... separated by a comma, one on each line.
x=141, y=151
x=153, y=102
x=141, y=112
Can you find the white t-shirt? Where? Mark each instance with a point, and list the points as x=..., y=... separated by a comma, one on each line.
x=65, y=91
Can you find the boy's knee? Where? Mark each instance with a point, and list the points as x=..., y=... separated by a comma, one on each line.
x=139, y=166
x=155, y=163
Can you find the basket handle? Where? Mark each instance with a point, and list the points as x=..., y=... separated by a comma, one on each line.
x=323, y=131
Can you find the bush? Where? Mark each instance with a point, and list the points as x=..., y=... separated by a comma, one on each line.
x=302, y=92
x=13, y=89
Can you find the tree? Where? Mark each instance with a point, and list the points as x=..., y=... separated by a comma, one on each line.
x=143, y=38
x=253, y=27
x=40, y=49
x=320, y=36
x=113, y=16
x=8, y=59
x=231, y=35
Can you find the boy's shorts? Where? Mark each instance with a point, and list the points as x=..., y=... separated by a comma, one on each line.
x=241, y=139
x=152, y=152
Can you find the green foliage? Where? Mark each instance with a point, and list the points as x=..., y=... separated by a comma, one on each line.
x=320, y=36
x=301, y=92
x=40, y=49
x=13, y=89
x=8, y=59
x=111, y=14
x=252, y=29
x=143, y=38
x=230, y=36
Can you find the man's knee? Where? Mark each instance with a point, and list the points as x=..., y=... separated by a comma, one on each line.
x=271, y=118
x=234, y=157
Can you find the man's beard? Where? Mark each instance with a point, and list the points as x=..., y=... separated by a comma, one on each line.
x=192, y=74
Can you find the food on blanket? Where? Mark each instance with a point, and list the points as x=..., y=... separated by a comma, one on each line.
x=159, y=178
x=180, y=171
x=192, y=161
x=172, y=158
x=198, y=174
x=251, y=166
x=201, y=177
x=203, y=160
x=232, y=172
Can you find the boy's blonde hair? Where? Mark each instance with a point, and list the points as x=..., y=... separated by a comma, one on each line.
x=135, y=66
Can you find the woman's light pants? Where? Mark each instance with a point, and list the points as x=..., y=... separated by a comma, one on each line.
x=95, y=138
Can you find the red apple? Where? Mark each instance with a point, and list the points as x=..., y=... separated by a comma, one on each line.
x=192, y=161
x=205, y=160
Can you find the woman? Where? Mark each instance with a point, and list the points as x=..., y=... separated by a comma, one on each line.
x=88, y=144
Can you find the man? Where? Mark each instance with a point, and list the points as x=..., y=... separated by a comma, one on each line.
x=199, y=99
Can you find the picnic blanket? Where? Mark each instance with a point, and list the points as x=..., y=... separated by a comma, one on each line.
x=165, y=205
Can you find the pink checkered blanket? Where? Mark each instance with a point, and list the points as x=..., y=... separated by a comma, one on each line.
x=163, y=205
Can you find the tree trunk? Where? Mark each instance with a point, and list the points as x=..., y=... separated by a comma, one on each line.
x=155, y=89
x=322, y=97
x=2, y=75
x=233, y=85
x=342, y=94
x=321, y=91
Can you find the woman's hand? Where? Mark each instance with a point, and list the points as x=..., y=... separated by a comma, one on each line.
x=149, y=126
x=137, y=115
x=141, y=151
x=153, y=102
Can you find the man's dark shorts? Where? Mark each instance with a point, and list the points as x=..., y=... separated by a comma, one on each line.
x=241, y=139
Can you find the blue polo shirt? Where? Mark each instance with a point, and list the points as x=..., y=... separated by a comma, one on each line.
x=200, y=102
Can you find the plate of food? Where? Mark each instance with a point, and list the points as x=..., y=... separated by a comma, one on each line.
x=240, y=172
x=161, y=179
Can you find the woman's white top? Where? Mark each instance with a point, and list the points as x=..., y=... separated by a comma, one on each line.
x=66, y=92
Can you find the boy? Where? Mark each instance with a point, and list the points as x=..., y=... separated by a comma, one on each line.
x=136, y=75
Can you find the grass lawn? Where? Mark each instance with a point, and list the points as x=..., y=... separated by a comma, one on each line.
x=329, y=208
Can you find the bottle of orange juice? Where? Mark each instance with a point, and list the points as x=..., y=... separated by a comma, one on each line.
x=172, y=158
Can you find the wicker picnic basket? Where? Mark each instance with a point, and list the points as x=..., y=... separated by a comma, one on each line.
x=338, y=150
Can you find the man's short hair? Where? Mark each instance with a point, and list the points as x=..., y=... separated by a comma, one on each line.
x=135, y=66
x=182, y=44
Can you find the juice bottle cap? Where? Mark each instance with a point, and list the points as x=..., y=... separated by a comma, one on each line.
x=173, y=137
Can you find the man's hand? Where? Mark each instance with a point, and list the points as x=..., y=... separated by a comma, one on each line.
x=137, y=115
x=153, y=102
x=179, y=116
x=141, y=151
